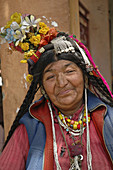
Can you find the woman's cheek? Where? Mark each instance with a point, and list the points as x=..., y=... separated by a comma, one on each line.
x=49, y=86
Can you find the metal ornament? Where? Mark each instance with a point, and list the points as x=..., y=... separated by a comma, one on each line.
x=76, y=163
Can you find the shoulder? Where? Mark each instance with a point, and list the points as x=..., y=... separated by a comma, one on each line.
x=109, y=114
x=95, y=102
x=30, y=124
x=20, y=135
x=29, y=121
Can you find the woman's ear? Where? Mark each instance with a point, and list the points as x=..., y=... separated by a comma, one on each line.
x=43, y=92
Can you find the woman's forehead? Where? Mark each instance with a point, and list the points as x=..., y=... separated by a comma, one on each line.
x=61, y=64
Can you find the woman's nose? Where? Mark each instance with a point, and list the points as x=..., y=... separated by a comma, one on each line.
x=61, y=80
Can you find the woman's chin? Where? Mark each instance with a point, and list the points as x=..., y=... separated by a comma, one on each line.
x=67, y=102
x=67, y=98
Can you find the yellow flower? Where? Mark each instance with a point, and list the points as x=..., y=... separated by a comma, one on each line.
x=44, y=30
x=35, y=39
x=24, y=46
x=29, y=78
x=23, y=61
x=35, y=43
x=30, y=34
x=42, y=24
x=8, y=24
x=16, y=17
x=28, y=54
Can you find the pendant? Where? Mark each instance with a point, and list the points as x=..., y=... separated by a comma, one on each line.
x=76, y=149
x=76, y=163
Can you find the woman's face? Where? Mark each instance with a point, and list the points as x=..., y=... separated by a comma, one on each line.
x=64, y=84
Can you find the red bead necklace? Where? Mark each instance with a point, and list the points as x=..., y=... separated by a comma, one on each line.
x=75, y=125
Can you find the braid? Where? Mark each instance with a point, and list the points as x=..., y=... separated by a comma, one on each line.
x=24, y=107
x=102, y=88
x=96, y=81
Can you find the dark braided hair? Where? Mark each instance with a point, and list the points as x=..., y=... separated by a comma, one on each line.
x=46, y=58
x=23, y=109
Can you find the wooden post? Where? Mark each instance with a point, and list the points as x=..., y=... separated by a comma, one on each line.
x=74, y=18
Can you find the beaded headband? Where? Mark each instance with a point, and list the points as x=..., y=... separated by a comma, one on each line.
x=29, y=35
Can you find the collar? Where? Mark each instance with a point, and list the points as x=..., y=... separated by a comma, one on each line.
x=94, y=102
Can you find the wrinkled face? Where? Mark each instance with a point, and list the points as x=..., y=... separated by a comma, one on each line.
x=64, y=84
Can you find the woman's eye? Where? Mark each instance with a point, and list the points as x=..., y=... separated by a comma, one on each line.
x=70, y=71
x=50, y=77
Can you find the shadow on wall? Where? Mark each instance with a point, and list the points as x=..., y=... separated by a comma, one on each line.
x=1, y=137
x=1, y=116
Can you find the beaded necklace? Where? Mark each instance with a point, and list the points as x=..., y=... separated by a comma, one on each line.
x=75, y=128
x=71, y=125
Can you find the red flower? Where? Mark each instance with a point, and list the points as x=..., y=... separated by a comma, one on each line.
x=43, y=42
x=52, y=33
x=13, y=47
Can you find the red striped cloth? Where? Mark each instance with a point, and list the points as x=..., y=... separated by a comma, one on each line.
x=15, y=153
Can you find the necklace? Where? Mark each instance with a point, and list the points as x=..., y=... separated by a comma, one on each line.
x=70, y=124
x=74, y=151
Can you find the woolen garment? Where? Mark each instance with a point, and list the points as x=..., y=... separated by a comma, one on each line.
x=16, y=151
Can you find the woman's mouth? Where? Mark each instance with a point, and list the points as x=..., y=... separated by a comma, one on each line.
x=64, y=92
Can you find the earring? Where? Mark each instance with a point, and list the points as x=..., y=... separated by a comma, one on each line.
x=43, y=92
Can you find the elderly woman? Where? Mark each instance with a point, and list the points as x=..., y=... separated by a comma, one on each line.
x=71, y=126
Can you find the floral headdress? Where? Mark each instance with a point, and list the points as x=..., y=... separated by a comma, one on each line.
x=26, y=34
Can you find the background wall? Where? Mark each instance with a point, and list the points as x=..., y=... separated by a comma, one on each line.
x=13, y=72
x=111, y=32
x=99, y=36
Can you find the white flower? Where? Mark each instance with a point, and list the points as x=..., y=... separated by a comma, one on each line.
x=2, y=35
x=29, y=21
x=2, y=30
x=54, y=23
x=15, y=26
x=19, y=36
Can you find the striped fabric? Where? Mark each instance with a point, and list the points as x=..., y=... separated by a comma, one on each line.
x=15, y=154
